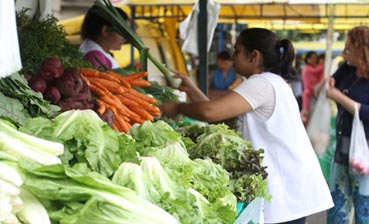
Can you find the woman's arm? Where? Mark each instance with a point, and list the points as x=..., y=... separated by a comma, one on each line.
x=228, y=106
x=340, y=98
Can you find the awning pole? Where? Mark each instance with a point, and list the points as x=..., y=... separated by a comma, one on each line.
x=330, y=32
x=202, y=45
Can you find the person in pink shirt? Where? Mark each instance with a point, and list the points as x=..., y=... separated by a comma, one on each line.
x=99, y=39
x=312, y=74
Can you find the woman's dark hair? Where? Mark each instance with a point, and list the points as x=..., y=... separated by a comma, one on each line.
x=224, y=55
x=93, y=23
x=278, y=54
x=308, y=55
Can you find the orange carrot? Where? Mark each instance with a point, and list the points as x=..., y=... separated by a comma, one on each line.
x=140, y=82
x=124, y=125
x=110, y=77
x=142, y=112
x=133, y=76
x=137, y=120
x=101, y=107
x=140, y=95
x=127, y=101
x=112, y=102
x=120, y=77
x=110, y=85
x=97, y=90
x=136, y=99
x=90, y=72
x=153, y=110
x=85, y=79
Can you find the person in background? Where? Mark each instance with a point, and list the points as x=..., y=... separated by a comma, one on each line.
x=269, y=118
x=223, y=78
x=99, y=39
x=311, y=75
x=350, y=85
x=296, y=84
x=223, y=75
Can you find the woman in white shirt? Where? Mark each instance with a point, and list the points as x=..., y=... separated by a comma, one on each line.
x=270, y=119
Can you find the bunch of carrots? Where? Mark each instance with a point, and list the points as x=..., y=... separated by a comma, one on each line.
x=114, y=92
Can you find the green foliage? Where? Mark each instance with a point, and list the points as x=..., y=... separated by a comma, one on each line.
x=15, y=86
x=39, y=40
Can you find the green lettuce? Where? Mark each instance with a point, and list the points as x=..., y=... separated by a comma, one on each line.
x=226, y=147
x=87, y=139
x=102, y=200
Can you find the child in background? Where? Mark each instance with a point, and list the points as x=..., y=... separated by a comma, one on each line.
x=311, y=75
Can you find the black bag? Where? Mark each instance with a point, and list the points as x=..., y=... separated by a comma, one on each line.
x=342, y=150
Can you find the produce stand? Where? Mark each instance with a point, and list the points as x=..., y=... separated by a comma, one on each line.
x=70, y=165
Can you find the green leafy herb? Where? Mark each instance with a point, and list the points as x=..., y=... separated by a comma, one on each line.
x=39, y=40
x=16, y=86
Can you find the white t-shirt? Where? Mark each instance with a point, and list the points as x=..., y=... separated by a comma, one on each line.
x=295, y=179
x=259, y=92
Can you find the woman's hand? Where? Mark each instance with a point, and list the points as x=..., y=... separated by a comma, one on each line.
x=190, y=88
x=186, y=85
x=305, y=117
x=332, y=91
x=169, y=109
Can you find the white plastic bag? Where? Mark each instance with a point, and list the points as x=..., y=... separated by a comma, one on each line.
x=319, y=126
x=189, y=27
x=359, y=150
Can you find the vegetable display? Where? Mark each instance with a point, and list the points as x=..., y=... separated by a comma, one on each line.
x=169, y=178
x=226, y=147
x=62, y=87
x=99, y=200
x=114, y=92
x=41, y=39
x=16, y=87
x=10, y=202
x=80, y=145
x=19, y=145
x=86, y=138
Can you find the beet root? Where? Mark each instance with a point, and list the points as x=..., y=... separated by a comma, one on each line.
x=70, y=83
x=52, y=94
x=38, y=84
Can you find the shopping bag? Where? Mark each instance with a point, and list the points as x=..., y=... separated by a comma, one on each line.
x=189, y=27
x=359, y=150
x=319, y=125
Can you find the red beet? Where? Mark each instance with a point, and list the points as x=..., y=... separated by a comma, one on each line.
x=52, y=94
x=56, y=63
x=70, y=83
x=48, y=72
x=38, y=84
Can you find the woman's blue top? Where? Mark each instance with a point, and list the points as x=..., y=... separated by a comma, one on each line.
x=358, y=90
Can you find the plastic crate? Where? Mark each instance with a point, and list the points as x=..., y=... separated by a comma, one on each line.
x=252, y=213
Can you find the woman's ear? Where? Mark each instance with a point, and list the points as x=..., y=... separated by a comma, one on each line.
x=104, y=30
x=256, y=58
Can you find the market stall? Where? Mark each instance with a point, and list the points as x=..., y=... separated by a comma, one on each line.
x=63, y=160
